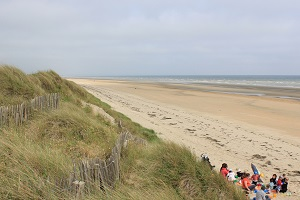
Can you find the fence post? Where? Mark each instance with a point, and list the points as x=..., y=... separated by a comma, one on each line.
x=78, y=188
x=0, y=116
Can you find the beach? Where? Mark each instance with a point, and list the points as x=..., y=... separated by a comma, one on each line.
x=233, y=125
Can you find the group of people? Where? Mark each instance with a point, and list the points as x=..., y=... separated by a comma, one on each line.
x=279, y=184
x=254, y=182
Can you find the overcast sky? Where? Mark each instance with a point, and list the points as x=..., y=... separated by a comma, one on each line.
x=151, y=37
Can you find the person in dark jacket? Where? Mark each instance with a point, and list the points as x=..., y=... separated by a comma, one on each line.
x=239, y=173
x=284, y=185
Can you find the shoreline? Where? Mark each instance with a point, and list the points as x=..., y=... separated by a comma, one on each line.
x=231, y=128
x=245, y=90
x=292, y=93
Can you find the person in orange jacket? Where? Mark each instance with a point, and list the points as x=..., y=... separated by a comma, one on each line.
x=246, y=183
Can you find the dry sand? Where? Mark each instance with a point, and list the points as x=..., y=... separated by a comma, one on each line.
x=232, y=128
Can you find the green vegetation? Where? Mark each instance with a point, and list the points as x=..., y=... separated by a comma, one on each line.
x=36, y=155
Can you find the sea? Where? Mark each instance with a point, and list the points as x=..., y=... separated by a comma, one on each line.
x=276, y=86
x=292, y=81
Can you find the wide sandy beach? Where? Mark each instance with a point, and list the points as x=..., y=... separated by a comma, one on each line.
x=239, y=129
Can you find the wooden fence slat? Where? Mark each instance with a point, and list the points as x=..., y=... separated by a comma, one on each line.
x=104, y=173
x=86, y=174
x=111, y=171
x=21, y=113
x=81, y=171
x=51, y=101
x=116, y=163
x=0, y=116
x=54, y=101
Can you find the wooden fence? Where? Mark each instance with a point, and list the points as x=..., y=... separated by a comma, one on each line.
x=17, y=114
x=97, y=173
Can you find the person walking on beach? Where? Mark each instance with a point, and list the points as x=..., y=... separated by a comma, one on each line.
x=224, y=171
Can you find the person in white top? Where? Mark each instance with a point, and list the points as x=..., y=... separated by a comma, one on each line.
x=231, y=176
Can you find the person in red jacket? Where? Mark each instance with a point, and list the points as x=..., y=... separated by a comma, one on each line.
x=224, y=171
x=279, y=183
x=255, y=178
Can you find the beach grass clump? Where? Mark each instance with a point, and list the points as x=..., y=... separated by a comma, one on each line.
x=16, y=86
x=51, y=82
x=30, y=170
x=173, y=168
x=79, y=132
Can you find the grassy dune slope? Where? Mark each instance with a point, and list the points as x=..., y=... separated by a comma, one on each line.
x=34, y=156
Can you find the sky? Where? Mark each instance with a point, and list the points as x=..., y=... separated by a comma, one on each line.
x=157, y=37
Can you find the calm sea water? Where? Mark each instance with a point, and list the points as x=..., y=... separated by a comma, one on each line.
x=269, y=81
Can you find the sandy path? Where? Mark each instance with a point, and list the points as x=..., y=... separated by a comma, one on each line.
x=223, y=138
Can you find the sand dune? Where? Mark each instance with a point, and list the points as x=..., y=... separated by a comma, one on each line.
x=236, y=129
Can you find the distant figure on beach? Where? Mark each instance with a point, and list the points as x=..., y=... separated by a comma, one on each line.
x=273, y=182
x=205, y=158
x=223, y=170
x=246, y=183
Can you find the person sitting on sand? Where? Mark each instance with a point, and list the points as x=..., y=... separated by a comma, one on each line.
x=283, y=178
x=279, y=183
x=224, y=171
x=246, y=184
x=239, y=173
x=266, y=188
x=231, y=176
x=284, y=186
x=255, y=177
x=260, y=194
x=273, y=181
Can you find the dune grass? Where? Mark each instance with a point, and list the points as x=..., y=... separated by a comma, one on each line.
x=34, y=156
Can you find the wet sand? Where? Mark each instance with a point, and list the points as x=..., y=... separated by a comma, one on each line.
x=251, y=126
